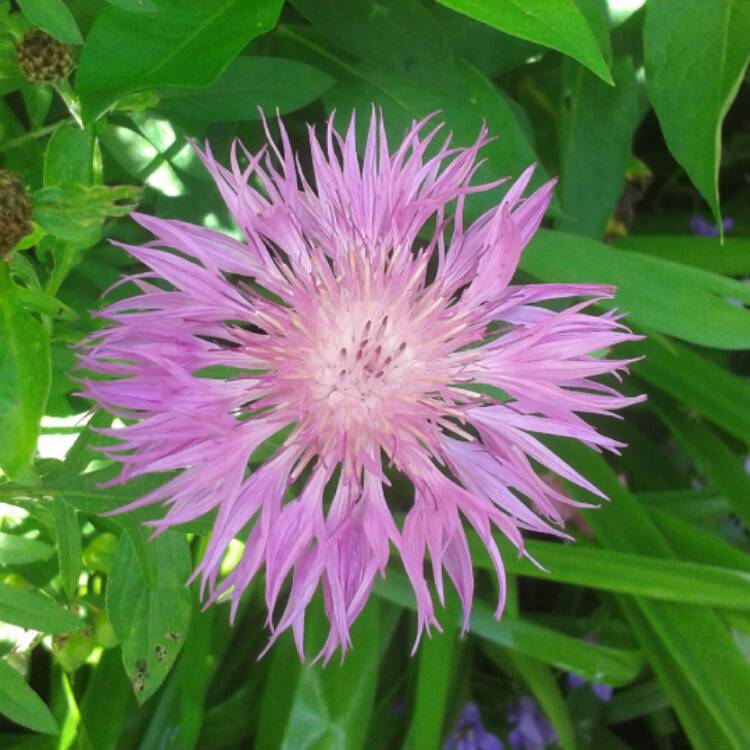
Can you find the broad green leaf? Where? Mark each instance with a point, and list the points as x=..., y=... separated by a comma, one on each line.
x=21, y=704
x=488, y=49
x=697, y=311
x=321, y=708
x=593, y=661
x=150, y=621
x=136, y=6
x=18, y=550
x=593, y=156
x=187, y=43
x=69, y=156
x=35, y=611
x=699, y=383
x=76, y=212
x=54, y=17
x=397, y=34
x=563, y=28
x=596, y=13
x=731, y=258
x=696, y=55
x=626, y=573
x=248, y=85
x=24, y=379
x=68, y=545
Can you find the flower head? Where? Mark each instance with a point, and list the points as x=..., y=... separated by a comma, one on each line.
x=361, y=313
x=602, y=691
x=702, y=228
x=529, y=729
x=469, y=734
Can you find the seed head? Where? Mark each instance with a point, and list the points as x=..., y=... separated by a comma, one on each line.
x=42, y=58
x=15, y=211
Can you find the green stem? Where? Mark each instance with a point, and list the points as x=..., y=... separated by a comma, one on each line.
x=30, y=136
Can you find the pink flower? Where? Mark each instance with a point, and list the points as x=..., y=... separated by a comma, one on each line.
x=361, y=313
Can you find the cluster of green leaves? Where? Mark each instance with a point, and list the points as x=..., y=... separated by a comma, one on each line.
x=115, y=649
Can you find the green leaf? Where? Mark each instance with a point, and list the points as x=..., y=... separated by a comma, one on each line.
x=434, y=680
x=21, y=704
x=565, y=28
x=151, y=622
x=136, y=6
x=731, y=258
x=316, y=707
x=54, y=17
x=622, y=572
x=36, y=301
x=35, y=611
x=69, y=156
x=195, y=671
x=187, y=43
x=592, y=661
x=68, y=545
x=696, y=54
x=75, y=212
x=712, y=456
x=397, y=34
x=697, y=311
x=488, y=49
x=106, y=703
x=702, y=729
x=698, y=544
x=18, y=550
x=597, y=14
x=690, y=644
x=593, y=157
x=24, y=379
x=700, y=384
x=247, y=85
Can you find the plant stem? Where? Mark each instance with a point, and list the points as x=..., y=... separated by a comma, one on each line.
x=31, y=135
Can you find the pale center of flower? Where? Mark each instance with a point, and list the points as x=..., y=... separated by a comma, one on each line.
x=365, y=357
x=361, y=366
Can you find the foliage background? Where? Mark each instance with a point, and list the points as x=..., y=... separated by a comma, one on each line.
x=104, y=647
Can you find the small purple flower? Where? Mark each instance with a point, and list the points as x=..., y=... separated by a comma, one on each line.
x=469, y=734
x=702, y=228
x=601, y=691
x=531, y=731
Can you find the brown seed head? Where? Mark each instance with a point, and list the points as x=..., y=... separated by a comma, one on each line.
x=15, y=211
x=43, y=59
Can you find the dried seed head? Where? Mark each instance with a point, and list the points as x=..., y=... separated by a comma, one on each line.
x=15, y=211
x=43, y=59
